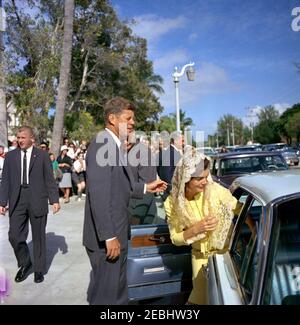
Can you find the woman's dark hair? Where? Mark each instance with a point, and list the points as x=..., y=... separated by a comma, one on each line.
x=201, y=167
x=206, y=163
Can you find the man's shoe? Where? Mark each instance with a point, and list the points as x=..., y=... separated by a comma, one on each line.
x=23, y=273
x=38, y=277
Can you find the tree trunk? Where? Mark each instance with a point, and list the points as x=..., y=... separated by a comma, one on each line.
x=3, y=113
x=64, y=74
x=83, y=81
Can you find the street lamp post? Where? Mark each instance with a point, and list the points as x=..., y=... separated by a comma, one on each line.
x=176, y=75
x=228, y=138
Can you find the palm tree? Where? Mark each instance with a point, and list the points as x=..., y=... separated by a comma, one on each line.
x=184, y=121
x=64, y=74
x=154, y=83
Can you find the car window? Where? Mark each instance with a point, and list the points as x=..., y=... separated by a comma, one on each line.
x=273, y=162
x=148, y=210
x=251, y=164
x=244, y=250
x=283, y=278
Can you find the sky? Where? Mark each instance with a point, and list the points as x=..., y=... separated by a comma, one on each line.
x=244, y=54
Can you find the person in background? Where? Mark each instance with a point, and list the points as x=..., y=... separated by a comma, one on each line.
x=71, y=151
x=223, y=150
x=56, y=170
x=27, y=185
x=168, y=159
x=14, y=145
x=65, y=164
x=140, y=158
x=44, y=146
x=78, y=174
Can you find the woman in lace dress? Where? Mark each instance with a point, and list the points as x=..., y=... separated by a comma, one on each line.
x=199, y=213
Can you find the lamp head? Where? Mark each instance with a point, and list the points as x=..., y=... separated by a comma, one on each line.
x=190, y=72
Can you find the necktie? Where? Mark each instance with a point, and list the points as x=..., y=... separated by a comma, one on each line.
x=24, y=176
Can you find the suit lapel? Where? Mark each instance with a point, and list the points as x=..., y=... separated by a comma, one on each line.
x=34, y=154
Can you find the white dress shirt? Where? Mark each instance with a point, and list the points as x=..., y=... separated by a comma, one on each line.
x=28, y=157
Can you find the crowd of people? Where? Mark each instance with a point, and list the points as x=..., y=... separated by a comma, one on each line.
x=31, y=176
x=68, y=168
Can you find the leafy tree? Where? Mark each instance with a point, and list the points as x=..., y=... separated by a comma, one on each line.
x=283, y=120
x=80, y=125
x=168, y=122
x=293, y=126
x=107, y=61
x=33, y=55
x=266, y=131
x=226, y=125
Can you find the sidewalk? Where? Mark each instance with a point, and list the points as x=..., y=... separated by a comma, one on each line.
x=68, y=266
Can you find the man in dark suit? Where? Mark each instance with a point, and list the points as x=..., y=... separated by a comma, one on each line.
x=27, y=184
x=110, y=184
x=168, y=158
x=142, y=164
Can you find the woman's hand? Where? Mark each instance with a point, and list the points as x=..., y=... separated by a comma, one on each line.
x=201, y=227
x=207, y=224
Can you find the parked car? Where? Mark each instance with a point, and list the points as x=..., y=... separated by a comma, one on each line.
x=290, y=157
x=208, y=151
x=262, y=265
x=275, y=146
x=252, y=147
x=296, y=147
x=227, y=167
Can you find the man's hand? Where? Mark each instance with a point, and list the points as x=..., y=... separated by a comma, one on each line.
x=113, y=248
x=2, y=210
x=156, y=186
x=55, y=207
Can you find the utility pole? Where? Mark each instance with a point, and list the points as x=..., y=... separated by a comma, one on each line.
x=228, y=138
x=217, y=134
x=251, y=115
x=233, y=140
x=3, y=113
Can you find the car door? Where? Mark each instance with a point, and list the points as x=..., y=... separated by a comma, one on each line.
x=157, y=270
x=233, y=276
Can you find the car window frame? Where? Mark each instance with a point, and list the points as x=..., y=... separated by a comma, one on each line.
x=271, y=244
x=251, y=198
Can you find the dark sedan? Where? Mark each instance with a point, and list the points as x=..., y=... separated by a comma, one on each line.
x=225, y=168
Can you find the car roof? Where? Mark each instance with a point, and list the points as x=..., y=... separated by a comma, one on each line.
x=271, y=186
x=245, y=154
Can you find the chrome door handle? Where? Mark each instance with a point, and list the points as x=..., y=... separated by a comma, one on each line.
x=160, y=240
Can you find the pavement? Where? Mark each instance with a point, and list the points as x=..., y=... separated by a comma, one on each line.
x=68, y=266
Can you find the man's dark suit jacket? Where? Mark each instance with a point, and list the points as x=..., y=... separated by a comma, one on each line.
x=109, y=189
x=145, y=170
x=167, y=161
x=42, y=185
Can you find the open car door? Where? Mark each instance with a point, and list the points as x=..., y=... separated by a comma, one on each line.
x=158, y=271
